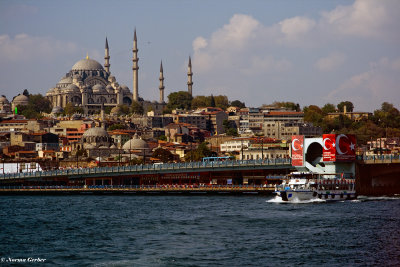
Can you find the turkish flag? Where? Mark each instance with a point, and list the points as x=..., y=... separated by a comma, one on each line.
x=345, y=147
x=297, y=150
x=329, y=147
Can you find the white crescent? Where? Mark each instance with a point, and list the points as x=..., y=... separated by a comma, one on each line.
x=325, y=144
x=293, y=147
x=338, y=144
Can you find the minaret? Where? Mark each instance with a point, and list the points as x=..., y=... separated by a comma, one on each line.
x=107, y=58
x=161, y=87
x=135, y=69
x=190, y=74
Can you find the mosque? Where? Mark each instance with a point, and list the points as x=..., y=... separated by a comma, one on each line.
x=91, y=86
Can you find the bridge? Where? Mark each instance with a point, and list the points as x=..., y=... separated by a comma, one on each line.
x=226, y=168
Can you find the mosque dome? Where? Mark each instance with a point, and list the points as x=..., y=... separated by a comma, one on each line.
x=136, y=143
x=87, y=64
x=96, y=137
x=20, y=100
x=125, y=89
x=72, y=88
x=98, y=88
x=95, y=132
x=65, y=80
x=57, y=109
x=3, y=100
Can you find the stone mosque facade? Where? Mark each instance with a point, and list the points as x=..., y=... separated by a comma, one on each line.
x=91, y=86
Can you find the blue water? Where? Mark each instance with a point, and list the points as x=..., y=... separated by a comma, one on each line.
x=133, y=230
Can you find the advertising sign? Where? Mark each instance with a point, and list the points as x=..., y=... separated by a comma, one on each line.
x=339, y=147
x=329, y=147
x=345, y=147
x=297, y=150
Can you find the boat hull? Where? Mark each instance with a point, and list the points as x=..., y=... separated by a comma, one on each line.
x=293, y=195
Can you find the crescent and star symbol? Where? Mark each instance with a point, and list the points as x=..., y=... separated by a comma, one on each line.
x=338, y=142
x=325, y=148
x=294, y=146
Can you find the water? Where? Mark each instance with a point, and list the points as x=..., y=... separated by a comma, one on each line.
x=133, y=230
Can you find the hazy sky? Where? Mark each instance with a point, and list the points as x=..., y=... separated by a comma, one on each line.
x=308, y=52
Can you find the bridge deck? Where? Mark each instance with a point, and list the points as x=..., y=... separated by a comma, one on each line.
x=156, y=169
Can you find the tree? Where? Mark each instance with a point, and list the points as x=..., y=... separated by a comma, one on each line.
x=349, y=106
x=180, y=100
x=237, y=103
x=137, y=107
x=212, y=102
x=288, y=105
x=71, y=109
x=200, y=101
x=163, y=154
x=26, y=92
x=221, y=101
x=36, y=104
x=116, y=126
x=313, y=114
x=162, y=138
x=200, y=152
x=328, y=108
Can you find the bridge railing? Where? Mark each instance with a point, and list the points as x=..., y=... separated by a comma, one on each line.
x=136, y=187
x=149, y=167
x=385, y=158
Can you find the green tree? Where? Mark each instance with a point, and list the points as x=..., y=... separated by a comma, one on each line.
x=212, y=102
x=221, y=101
x=328, y=108
x=200, y=101
x=26, y=92
x=288, y=105
x=36, y=104
x=70, y=109
x=313, y=114
x=200, y=152
x=237, y=103
x=163, y=154
x=162, y=138
x=180, y=100
x=116, y=126
x=349, y=106
x=137, y=107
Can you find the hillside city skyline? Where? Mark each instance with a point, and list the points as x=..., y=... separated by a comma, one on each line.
x=322, y=53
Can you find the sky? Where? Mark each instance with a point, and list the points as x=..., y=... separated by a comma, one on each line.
x=309, y=52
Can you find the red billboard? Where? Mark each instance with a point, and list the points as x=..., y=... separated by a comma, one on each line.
x=329, y=147
x=339, y=147
x=297, y=150
x=345, y=147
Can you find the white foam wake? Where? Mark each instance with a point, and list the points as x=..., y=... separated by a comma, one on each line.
x=279, y=200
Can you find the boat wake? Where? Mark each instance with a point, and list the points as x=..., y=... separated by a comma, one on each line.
x=279, y=200
x=382, y=198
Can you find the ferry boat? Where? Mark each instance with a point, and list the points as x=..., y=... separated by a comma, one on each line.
x=300, y=186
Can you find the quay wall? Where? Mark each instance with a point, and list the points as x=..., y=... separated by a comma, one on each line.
x=377, y=179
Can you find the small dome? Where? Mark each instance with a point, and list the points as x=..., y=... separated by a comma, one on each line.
x=21, y=100
x=98, y=88
x=96, y=131
x=72, y=88
x=65, y=80
x=113, y=146
x=87, y=64
x=135, y=143
x=3, y=100
x=57, y=109
x=104, y=147
x=125, y=89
